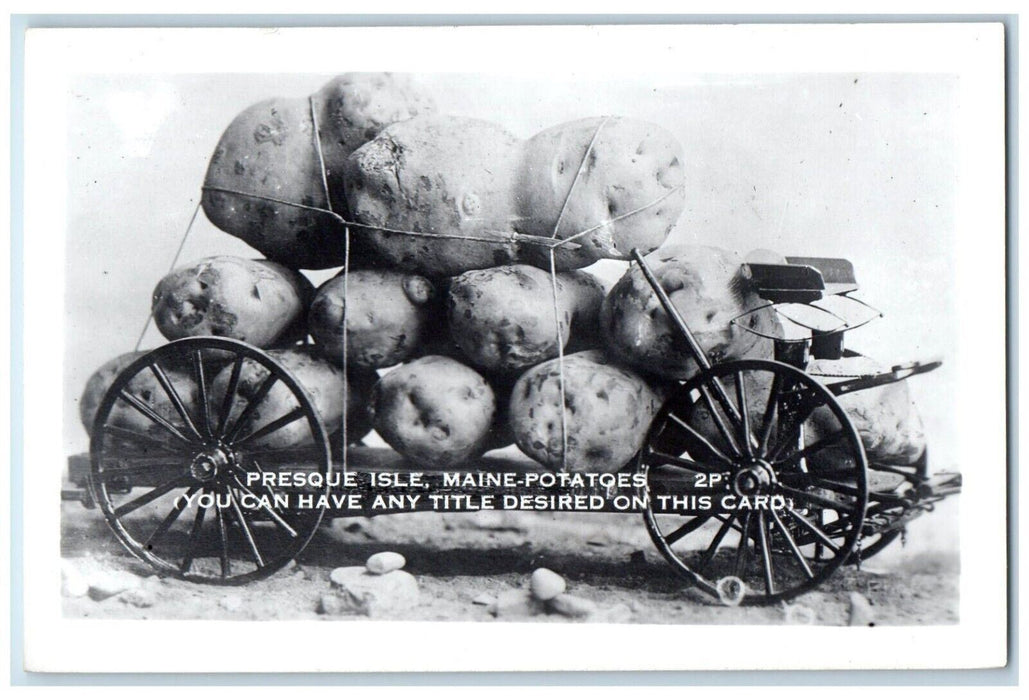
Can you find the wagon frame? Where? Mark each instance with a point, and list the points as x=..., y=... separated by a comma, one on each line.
x=794, y=521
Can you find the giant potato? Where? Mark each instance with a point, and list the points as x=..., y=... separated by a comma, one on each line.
x=443, y=177
x=706, y=287
x=268, y=151
x=620, y=179
x=503, y=318
x=449, y=178
x=267, y=160
x=256, y=301
x=434, y=411
x=608, y=410
x=324, y=383
x=388, y=315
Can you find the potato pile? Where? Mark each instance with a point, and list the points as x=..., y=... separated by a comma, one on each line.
x=464, y=320
x=469, y=187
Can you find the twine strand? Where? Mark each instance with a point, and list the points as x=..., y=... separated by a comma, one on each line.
x=174, y=262
x=323, y=171
x=560, y=362
x=578, y=175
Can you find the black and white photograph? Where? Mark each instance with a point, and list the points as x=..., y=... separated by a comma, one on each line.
x=490, y=344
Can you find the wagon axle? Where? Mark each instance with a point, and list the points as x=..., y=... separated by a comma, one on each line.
x=212, y=463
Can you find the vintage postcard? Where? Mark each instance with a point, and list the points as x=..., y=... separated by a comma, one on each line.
x=458, y=339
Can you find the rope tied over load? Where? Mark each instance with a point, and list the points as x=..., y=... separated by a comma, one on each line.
x=551, y=244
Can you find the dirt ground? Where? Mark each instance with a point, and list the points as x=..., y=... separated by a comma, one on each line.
x=607, y=558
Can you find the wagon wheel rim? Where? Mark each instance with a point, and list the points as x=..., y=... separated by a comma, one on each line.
x=769, y=449
x=203, y=510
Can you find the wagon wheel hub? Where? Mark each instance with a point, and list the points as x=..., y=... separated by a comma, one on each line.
x=753, y=479
x=207, y=465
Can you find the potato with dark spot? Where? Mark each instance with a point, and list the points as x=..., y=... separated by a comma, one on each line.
x=434, y=411
x=388, y=315
x=143, y=386
x=267, y=160
x=503, y=318
x=608, y=410
x=462, y=189
x=256, y=301
x=269, y=151
x=706, y=287
x=449, y=180
x=323, y=382
x=628, y=192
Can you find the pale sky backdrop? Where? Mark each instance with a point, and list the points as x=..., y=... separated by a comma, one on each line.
x=861, y=166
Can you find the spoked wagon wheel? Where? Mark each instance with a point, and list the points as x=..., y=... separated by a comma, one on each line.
x=185, y=448
x=734, y=493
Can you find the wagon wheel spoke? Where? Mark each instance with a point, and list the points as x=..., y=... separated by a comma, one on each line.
x=173, y=396
x=790, y=435
x=814, y=530
x=723, y=399
x=681, y=531
x=700, y=438
x=141, y=439
x=202, y=405
x=223, y=535
x=742, y=550
x=180, y=505
x=245, y=527
x=194, y=537
x=152, y=495
x=269, y=428
x=181, y=457
x=815, y=447
x=771, y=413
x=746, y=439
x=138, y=404
x=766, y=553
x=252, y=403
x=791, y=544
x=772, y=547
x=267, y=487
x=719, y=419
x=712, y=548
x=229, y=400
x=267, y=508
